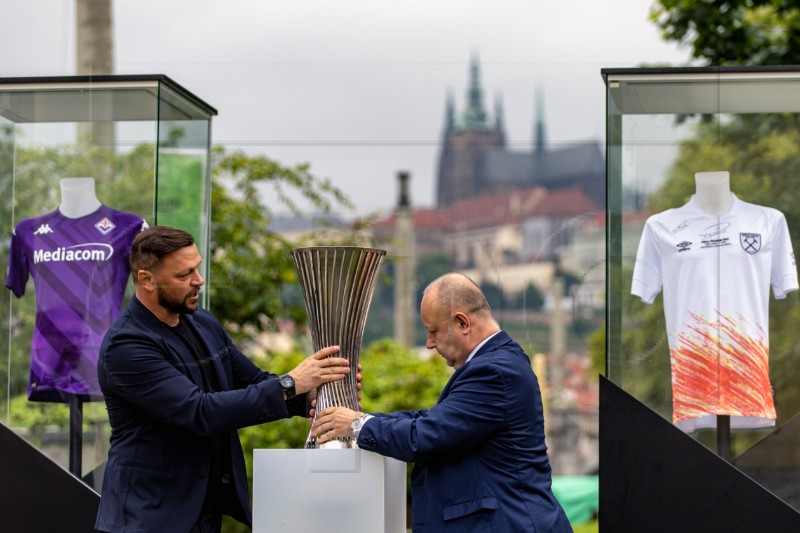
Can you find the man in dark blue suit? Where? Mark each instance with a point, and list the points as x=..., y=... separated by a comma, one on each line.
x=176, y=390
x=480, y=457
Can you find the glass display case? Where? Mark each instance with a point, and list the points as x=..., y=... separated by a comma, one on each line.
x=85, y=163
x=702, y=305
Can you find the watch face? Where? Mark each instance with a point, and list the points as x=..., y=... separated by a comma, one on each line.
x=287, y=382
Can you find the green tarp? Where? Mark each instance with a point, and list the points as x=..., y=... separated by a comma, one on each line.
x=579, y=496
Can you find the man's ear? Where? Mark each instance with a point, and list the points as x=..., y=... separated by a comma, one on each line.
x=462, y=321
x=145, y=280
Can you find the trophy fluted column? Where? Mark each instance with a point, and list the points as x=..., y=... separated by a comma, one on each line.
x=338, y=283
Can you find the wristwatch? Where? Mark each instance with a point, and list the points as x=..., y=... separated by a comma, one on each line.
x=356, y=424
x=287, y=384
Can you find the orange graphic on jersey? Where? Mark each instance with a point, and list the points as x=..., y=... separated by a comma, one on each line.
x=718, y=369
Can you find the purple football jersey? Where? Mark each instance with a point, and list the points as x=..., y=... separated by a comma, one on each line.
x=80, y=271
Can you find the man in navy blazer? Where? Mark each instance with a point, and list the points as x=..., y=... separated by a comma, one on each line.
x=480, y=457
x=176, y=390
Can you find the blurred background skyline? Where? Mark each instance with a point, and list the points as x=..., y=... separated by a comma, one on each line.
x=358, y=89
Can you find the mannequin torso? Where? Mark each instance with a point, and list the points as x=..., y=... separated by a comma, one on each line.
x=713, y=194
x=78, y=197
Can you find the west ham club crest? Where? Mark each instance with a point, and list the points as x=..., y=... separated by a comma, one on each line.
x=751, y=242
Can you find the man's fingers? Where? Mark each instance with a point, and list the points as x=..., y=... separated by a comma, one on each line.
x=325, y=352
x=336, y=361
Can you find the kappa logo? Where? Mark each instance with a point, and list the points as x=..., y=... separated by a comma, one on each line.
x=105, y=226
x=684, y=246
x=44, y=229
x=751, y=242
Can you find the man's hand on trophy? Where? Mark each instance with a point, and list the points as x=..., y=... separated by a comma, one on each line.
x=333, y=422
x=318, y=369
x=312, y=396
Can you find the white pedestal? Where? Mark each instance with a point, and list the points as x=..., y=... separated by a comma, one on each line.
x=347, y=491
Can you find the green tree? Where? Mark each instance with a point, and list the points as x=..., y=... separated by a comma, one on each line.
x=430, y=267
x=530, y=298
x=733, y=32
x=252, y=274
x=494, y=295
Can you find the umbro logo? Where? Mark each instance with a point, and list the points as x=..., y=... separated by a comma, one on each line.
x=44, y=229
x=684, y=246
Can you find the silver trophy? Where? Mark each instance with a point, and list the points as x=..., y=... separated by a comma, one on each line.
x=338, y=283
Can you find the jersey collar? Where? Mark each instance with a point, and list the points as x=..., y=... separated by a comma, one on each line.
x=695, y=209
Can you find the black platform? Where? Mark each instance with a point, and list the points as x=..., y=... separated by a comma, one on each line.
x=654, y=478
x=39, y=496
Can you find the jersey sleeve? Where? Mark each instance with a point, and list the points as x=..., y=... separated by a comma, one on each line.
x=647, y=279
x=783, y=276
x=18, y=266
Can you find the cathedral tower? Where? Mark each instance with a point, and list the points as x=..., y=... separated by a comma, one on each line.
x=465, y=142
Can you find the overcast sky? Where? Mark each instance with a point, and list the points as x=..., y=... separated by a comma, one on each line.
x=357, y=88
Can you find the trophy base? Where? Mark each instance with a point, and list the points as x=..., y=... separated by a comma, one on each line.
x=336, y=444
x=339, y=491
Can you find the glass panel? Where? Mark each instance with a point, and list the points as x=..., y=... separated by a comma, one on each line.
x=662, y=130
x=78, y=171
x=184, y=177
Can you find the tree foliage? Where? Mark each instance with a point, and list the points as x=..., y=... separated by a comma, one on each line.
x=253, y=279
x=733, y=32
x=531, y=298
x=430, y=267
x=494, y=294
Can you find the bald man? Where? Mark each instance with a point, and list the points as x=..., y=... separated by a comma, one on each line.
x=480, y=456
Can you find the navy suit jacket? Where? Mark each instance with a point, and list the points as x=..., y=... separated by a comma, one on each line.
x=162, y=421
x=480, y=457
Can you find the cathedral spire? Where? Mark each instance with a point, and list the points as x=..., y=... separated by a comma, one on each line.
x=539, y=135
x=475, y=114
x=450, y=112
x=498, y=114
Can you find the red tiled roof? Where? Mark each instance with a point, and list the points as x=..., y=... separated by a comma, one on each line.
x=567, y=201
x=423, y=219
x=495, y=210
x=499, y=209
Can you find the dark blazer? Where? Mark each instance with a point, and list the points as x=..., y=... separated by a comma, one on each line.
x=480, y=453
x=162, y=421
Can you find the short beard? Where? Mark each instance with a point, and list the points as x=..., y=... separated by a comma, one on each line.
x=174, y=305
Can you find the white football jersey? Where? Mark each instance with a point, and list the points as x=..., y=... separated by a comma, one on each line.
x=716, y=272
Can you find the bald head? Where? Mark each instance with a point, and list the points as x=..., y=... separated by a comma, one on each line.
x=457, y=316
x=458, y=292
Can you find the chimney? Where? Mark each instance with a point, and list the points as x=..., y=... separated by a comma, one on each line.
x=405, y=262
